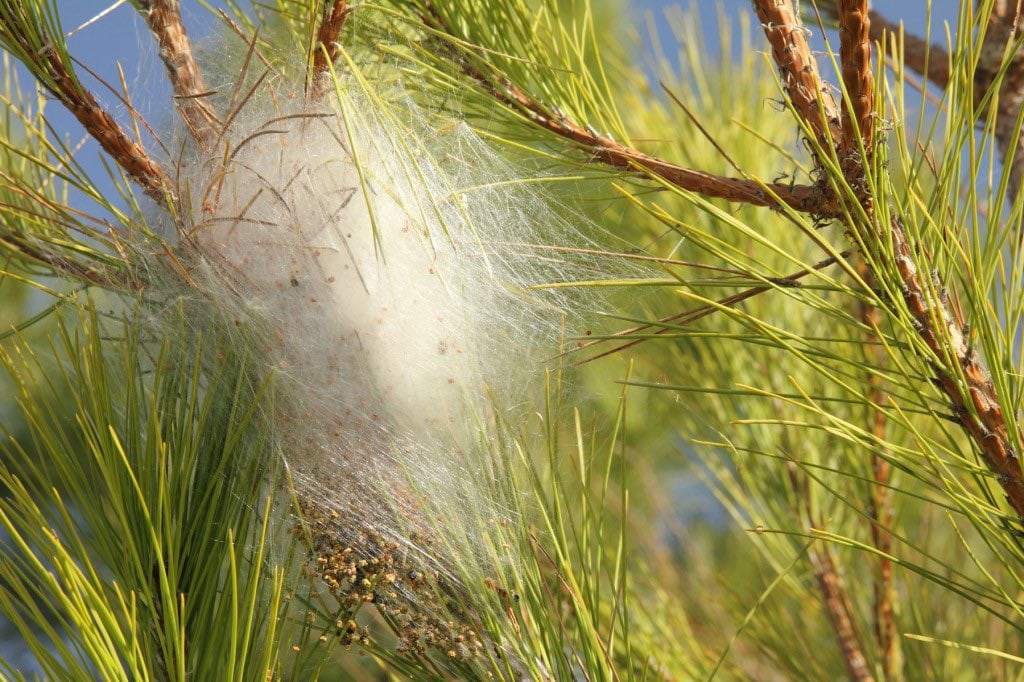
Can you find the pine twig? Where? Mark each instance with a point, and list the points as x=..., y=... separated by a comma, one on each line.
x=603, y=149
x=880, y=502
x=799, y=70
x=855, y=58
x=920, y=56
x=834, y=595
x=880, y=509
x=126, y=152
x=837, y=606
x=858, y=133
x=326, y=48
x=164, y=19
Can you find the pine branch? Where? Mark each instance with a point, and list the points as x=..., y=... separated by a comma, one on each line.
x=1003, y=36
x=837, y=606
x=882, y=514
x=326, y=48
x=603, y=149
x=33, y=36
x=164, y=19
x=799, y=70
x=978, y=410
x=127, y=153
x=858, y=134
x=977, y=406
x=855, y=58
x=880, y=498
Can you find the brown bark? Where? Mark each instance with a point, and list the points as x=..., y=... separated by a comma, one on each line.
x=326, y=48
x=125, y=151
x=164, y=19
x=799, y=70
x=855, y=57
x=837, y=606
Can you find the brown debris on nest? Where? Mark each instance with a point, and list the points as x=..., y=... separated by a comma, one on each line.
x=358, y=565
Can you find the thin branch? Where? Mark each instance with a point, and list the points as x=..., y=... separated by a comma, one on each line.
x=880, y=498
x=835, y=597
x=881, y=511
x=799, y=70
x=977, y=408
x=326, y=47
x=837, y=606
x=858, y=133
x=164, y=19
x=127, y=153
x=603, y=149
x=858, y=80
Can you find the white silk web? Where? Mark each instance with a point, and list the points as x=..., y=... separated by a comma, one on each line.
x=387, y=271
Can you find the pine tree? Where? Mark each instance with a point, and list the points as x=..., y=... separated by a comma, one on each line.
x=386, y=357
